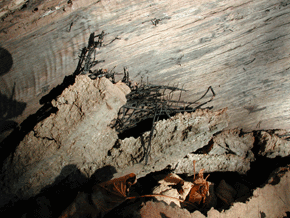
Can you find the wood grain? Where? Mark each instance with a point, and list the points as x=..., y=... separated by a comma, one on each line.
x=240, y=48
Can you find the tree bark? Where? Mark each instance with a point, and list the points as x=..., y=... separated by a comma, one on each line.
x=240, y=48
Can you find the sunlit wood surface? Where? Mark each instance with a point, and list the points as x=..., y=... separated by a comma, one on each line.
x=240, y=48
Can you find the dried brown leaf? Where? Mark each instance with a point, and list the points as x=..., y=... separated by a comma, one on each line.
x=104, y=197
x=200, y=188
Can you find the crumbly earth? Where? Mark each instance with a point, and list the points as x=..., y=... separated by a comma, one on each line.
x=77, y=138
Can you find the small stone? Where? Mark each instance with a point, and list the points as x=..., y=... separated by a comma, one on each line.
x=226, y=192
x=243, y=192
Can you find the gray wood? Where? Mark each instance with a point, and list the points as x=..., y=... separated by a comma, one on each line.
x=240, y=48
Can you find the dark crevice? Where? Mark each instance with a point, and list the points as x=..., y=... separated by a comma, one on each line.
x=205, y=149
x=140, y=128
x=185, y=132
x=146, y=125
x=227, y=148
x=44, y=138
x=24, y=6
x=262, y=167
x=115, y=146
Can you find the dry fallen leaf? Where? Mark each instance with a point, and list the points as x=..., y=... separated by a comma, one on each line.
x=103, y=198
x=200, y=188
x=172, y=188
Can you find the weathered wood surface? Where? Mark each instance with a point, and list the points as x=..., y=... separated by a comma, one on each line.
x=240, y=48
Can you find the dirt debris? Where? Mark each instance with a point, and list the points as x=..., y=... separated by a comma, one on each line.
x=73, y=136
x=227, y=150
x=168, y=143
x=77, y=134
x=272, y=145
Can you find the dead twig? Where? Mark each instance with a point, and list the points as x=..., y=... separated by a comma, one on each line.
x=87, y=58
x=148, y=101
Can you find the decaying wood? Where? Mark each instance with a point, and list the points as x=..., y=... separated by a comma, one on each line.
x=237, y=47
